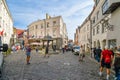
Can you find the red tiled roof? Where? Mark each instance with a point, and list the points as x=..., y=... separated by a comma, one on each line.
x=19, y=31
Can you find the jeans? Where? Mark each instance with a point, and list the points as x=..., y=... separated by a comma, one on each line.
x=97, y=58
x=117, y=73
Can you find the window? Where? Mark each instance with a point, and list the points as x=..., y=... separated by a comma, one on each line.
x=94, y=31
x=41, y=26
x=103, y=27
x=65, y=42
x=97, y=1
x=47, y=25
x=97, y=15
x=36, y=26
x=54, y=22
x=93, y=20
x=88, y=27
x=105, y=7
x=98, y=29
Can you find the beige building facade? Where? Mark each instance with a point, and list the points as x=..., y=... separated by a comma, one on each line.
x=84, y=38
x=52, y=26
x=6, y=23
x=76, y=37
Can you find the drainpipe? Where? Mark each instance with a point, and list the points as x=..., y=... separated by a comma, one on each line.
x=91, y=37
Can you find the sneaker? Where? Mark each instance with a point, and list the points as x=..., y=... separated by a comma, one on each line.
x=100, y=74
x=28, y=63
x=115, y=78
x=107, y=77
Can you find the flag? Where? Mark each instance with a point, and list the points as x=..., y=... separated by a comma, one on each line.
x=1, y=32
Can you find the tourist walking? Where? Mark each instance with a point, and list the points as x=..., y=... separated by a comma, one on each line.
x=94, y=51
x=118, y=49
x=63, y=49
x=117, y=64
x=54, y=47
x=81, y=53
x=13, y=48
x=98, y=54
x=28, y=52
x=106, y=61
x=37, y=49
x=46, y=51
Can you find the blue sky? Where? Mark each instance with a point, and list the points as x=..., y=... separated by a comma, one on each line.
x=73, y=12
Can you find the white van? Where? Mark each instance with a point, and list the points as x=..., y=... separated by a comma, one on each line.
x=76, y=50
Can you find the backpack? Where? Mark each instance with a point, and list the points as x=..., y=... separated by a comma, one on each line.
x=117, y=62
x=107, y=56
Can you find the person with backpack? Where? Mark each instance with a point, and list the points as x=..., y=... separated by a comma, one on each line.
x=98, y=54
x=117, y=65
x=106, y=61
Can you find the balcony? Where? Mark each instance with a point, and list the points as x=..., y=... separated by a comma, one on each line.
x=110, y=5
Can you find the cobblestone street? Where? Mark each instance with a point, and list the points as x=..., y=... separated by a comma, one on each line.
x=56, y=67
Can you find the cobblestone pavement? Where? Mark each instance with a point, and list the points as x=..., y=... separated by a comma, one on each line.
x=56, y=67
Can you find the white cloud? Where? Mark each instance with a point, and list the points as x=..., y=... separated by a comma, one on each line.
x=76, y=8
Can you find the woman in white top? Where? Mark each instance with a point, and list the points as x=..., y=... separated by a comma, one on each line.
x=81, y=53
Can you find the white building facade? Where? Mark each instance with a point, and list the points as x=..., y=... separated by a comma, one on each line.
x=6, y=23
x=105, y=23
